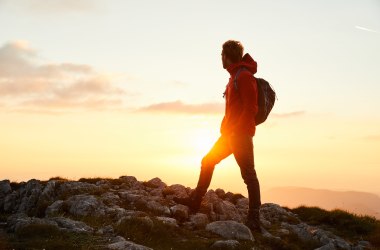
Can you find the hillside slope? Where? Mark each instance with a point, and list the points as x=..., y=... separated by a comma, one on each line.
x=125, y=213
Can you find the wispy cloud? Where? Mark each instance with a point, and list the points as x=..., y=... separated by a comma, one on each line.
x=372, y=138
x=287, y=115
x=180, y=107
x=366, y=29
x=54, y=5
x=26, y=82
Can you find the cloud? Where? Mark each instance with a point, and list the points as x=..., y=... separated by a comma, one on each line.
x=28, y=82
x=366, y=29
x=372, y=138
x=180, y=107
x=54, y=5
x=202, y=108
x=287, y=115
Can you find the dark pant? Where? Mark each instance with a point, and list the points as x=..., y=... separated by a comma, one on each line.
x=241, y=146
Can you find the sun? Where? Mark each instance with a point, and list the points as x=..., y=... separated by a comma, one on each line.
x=202, y=141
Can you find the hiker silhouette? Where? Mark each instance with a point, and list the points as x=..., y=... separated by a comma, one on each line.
x=237, y=130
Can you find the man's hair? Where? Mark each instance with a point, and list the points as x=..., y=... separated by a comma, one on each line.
x=233, y=50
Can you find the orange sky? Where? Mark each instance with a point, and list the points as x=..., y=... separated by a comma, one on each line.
x=94, y=88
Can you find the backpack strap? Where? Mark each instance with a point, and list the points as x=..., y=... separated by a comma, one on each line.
x=236, y=76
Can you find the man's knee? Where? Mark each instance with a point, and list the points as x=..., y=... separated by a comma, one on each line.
x=208, y=162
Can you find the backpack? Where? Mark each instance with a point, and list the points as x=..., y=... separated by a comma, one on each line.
x=265, y=95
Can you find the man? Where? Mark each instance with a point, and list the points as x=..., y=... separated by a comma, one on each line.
x=237, y=130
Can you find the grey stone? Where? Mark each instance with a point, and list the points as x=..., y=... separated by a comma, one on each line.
x=220, y=193
x=155, y=183
x=71, y=225
x=176, y=190
x=30, y=197
x=329, y=246
x=105, y=230
x=71, y=188
x=10, y=202
x=19, y=221
x=180, y=212
x=283, y=231
x=5, y=188
x=230, y=230
x=218, y=209
x=85, y=205
x=157, y=208
x=225, y=245
x=110, y=199
x=123, y=245
x=54, y=209
x=168, y=221
x=199, y=220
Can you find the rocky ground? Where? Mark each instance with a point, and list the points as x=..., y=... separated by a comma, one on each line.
x=125, y=213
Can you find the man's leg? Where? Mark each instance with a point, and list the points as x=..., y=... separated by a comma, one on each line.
x=242, y=147
x=218, y=152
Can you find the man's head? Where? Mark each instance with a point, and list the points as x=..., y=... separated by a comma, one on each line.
x=232, y=52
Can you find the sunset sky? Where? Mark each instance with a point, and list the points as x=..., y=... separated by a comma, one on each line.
x=104, y=88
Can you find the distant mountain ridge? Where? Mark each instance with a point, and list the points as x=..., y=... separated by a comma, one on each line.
x=353, y=201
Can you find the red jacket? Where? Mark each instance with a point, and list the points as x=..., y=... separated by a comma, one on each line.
x=241, y=103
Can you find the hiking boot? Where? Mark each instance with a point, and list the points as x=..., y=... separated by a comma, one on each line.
x=253, y=220
x=193, y=201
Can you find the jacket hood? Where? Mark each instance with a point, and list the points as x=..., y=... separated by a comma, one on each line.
x=247, y=62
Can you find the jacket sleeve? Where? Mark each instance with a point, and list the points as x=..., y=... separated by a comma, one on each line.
x=248, y=95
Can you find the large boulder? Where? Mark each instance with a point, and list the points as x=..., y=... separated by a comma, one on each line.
x=70, y=225
x=218, y=209
x=124, y=244
x=85, y=205
x=225, y=245
x=30, y=196
x=230, y=230
x=176, y=190
x=5, y=189
x=180, y=212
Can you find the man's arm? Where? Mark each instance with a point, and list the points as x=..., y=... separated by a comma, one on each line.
x=248, y=96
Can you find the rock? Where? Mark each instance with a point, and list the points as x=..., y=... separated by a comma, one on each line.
x=105, y=230
x=132, y=196
x=283, y=231
x=230, y=230
x=54, y=209
x=70, y=188
x=156, y=208
x=218, y=209
x=155, y=183
x=168, y=221
x=130, y=182
x=309, y=233
x=5, y=189
x=199, y=220
x=110, y=199
x=30, y=197
x=225, y=245
x=364, y=243
x=275, y=213
x=71, y=225
x=220, y=193
x=329, y=246
x=123, y=245
x=10, y=202
x=85, y=205
x=19, y=221
x=233, y=198
x=176, y=190
x=180, y=212
x=145, y=222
